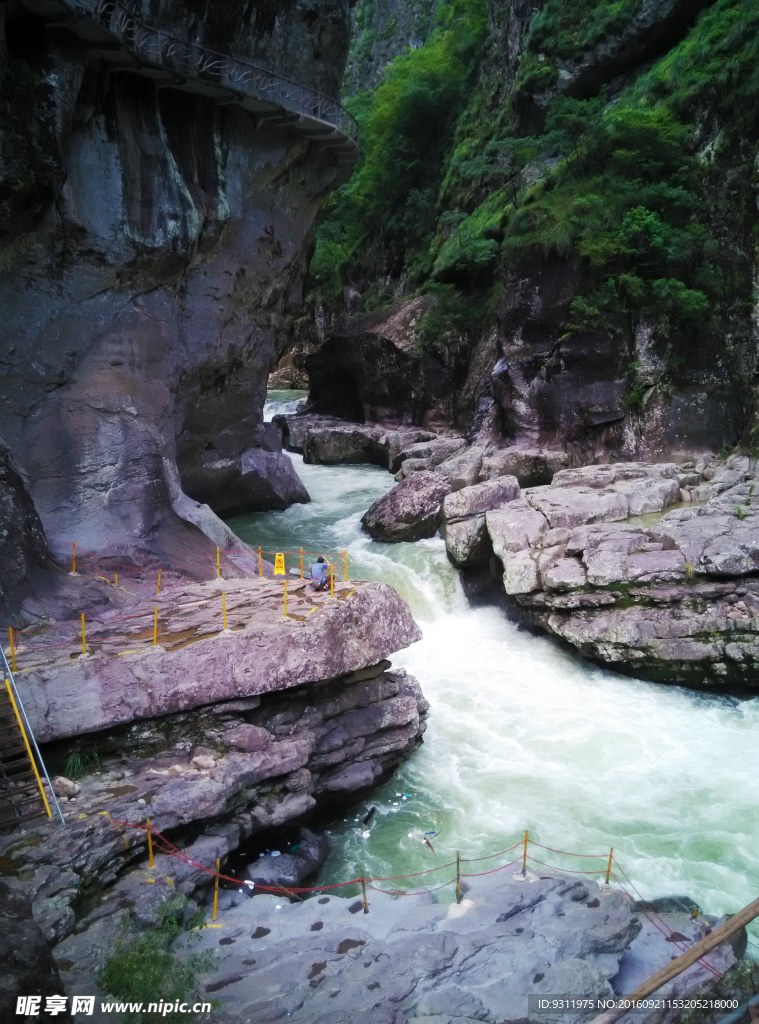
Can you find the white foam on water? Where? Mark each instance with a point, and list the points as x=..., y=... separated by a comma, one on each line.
x=282, y=403
x=524, y=734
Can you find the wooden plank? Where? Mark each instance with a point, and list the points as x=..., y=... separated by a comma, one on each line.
x=683, y=962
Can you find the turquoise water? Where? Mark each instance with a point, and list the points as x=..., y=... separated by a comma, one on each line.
x=525, y=735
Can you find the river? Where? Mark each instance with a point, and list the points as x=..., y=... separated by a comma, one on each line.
x=523, y=734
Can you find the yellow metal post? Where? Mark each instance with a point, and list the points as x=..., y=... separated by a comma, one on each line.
x=73, y=556
x=13, y=649
x=458, y=877
x=346, y=565
x=84, y=637
x=159, y=582
x=116, y=581
x=285, y=598
x=260, y=563
x=150, y=845
x=28, y=748
x=301, y=563
x=155, y=627
x=216, y=892
x=218, y=564
x=524, y=855
x=608, y=866
x=363, y=890
x=331, y=581
x=224, y=608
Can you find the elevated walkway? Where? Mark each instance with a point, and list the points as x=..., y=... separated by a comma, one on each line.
x=114, y=34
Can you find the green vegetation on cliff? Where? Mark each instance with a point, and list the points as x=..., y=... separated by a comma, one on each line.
x=386, y=212
x=640, y=186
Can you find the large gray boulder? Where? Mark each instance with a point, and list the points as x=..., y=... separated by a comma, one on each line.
x=479, y=498
x=255, y=481
x=411, y=511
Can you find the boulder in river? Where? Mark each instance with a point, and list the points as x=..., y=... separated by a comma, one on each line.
x=410, y=511
x=291, y=868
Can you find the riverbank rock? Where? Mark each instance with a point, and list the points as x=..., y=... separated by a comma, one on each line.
x=467, y=540
x=675, y=600
x=127, y=677
x=425, y=957
x=328, y=441
x=410, y=511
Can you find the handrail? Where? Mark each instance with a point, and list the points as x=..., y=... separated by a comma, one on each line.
x=191, y=60
x=7, y=674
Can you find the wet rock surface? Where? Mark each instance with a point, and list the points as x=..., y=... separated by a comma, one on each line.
x=424, y=957
x=292, y=867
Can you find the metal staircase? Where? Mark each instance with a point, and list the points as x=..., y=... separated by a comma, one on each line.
x=23, y=794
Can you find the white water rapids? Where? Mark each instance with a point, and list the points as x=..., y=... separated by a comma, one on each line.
x=523, y=734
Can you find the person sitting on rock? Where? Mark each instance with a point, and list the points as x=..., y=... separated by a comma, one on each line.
x=320, y=573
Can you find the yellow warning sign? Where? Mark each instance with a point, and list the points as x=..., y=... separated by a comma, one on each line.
x=279, y=564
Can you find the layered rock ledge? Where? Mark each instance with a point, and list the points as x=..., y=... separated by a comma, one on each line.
x=196, y=662
x=597, y=559
x=216, y=735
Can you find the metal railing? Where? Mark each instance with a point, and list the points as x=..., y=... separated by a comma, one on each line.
x=35, y=757
x=191, y=60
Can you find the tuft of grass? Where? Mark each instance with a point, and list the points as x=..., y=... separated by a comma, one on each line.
x=79, y=764
x=142, y=969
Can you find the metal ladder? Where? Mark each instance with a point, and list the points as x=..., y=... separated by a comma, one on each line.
x=22, y=791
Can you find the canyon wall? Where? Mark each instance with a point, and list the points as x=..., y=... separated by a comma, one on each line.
x=152, y=254
x=580, y=222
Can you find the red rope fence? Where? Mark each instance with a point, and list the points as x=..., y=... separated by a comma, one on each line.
x=166, y=847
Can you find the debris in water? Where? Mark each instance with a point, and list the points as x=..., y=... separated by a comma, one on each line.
x=369, y=816
x=365, y=835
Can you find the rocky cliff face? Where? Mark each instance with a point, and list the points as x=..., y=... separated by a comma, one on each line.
x=152, y=255
x=586, y=235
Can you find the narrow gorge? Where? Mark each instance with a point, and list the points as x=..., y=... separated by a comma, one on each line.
x=458, y=298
